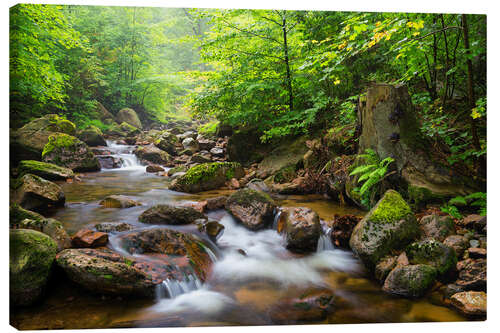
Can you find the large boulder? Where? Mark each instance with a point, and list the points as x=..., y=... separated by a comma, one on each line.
x=388, y=226
x=129, y=116
x=410, y=280
x=92, y=136
x=433, y=253
x=27, y=143
x=170, y=242
x=47, y=171
x=302, y=228
x=253, y=209
x=51, y=227
x=389, y=126
x=152, y=154
x=207, y=176
x=31, y=256
x=167, y=214
x=69, y=152
x=105, y=271
x=35, y=193
x=118, y=201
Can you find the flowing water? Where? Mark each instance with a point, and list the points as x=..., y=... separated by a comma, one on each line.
x=252, y=274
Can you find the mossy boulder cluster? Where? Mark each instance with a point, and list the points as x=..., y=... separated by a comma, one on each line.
x=167, y=142
x=69, y=152
x=253, y=209
x=31, y=256
x=405, y=255
x=207, y=176
x=27, y=143
x=52, y=228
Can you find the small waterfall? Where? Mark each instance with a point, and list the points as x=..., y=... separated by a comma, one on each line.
x=277, y=216
x=125, y=153
x=325, y=240
x=171, y=288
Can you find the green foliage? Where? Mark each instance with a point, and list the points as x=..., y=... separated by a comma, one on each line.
x=475, y=201
x=372, y=172
x=208, y=129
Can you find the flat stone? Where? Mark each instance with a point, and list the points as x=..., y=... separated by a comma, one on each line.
x=86, y=238
x=471, y=303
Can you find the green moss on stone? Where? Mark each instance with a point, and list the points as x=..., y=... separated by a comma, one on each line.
x=45, y=170
x=59, y=140
x=246, y=196
x=207, y=171
x=391, y=207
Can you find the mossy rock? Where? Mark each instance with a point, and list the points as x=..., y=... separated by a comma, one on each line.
x=174, y=170
x=433, y=253
x=167, y=214
x=27, y=143
x=18, y=213
x=36, y=193
x=47, y=171
x=69, y=152
x=254, y=209
x=390, y=225
x=92, y=136
x=207, y=176
x=52, y=228
x=410, y=281
x=167, y=142
x=437, y=227
x=289, y=153
x=129, y=130
x=285, y=175
x=129, y=116
x=31, y=256
x=150, y=153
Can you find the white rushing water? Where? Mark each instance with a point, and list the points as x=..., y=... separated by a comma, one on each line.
x=267, y=258
x=125, y=153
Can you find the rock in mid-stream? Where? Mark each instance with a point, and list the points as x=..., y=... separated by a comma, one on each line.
x=302, y=228
x=253, y=209
x=167, y=214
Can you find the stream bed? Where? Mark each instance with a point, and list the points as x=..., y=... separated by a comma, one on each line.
x=241, y=289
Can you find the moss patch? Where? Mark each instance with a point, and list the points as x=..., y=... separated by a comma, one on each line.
x=46, y=170
x=208, y=171
x=391, y=207
x=59, y=140
x=246, y=196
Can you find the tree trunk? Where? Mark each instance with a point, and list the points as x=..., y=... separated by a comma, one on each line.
x=287, y=64
x=470, y=83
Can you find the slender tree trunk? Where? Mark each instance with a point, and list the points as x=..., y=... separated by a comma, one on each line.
x=470, y=83
x=287, y=64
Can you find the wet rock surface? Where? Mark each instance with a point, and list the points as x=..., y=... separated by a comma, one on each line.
x=254, y=209
x=167, y=214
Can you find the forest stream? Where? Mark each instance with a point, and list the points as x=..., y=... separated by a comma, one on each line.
x=252, y=275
